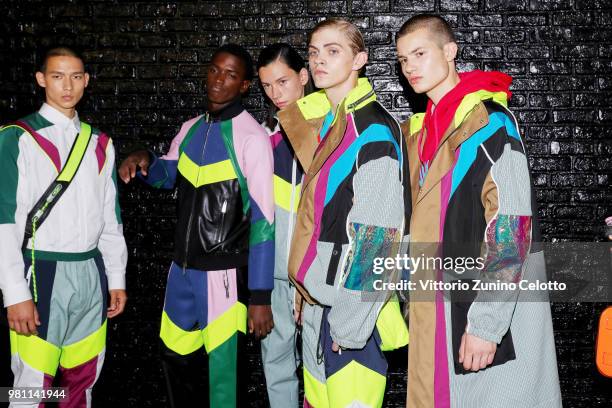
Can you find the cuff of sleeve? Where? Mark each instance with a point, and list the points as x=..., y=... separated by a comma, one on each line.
x=152, y=162
x=116, y=280
x=483, y=334
x=152, y=157
x=261, y=297
x=17, y=293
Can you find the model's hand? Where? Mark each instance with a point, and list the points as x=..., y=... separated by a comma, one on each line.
x=118, y=298
x=23, y=317
x=128, y=168
x=260, y=320
x=297, y=317
x=298, y=306
x=476, y=353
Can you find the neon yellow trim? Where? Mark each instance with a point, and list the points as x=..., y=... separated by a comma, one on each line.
x=84, y=350
x=76, y=156
x=355, y=382
x=416, y=123
x=208, y=174
x=178, y=340
x=223, y=327
x=315, y=391
x=392, y=327
x=36, y=352
x=316, y=105
x=362, y=89
x=2, y=128
x=282, y=194
x=471, y=100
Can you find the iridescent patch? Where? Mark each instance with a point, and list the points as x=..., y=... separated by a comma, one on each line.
x=369, y=243
x=508, y=238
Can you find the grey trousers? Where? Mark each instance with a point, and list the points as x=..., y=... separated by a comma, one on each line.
x=277, y=350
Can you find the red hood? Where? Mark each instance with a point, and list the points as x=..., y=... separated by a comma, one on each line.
x=439, y=120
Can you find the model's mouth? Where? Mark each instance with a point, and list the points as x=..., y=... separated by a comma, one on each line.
x=414, y=79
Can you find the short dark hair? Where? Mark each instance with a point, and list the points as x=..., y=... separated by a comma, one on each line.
x=59, y=51
x=240, y=52
x=288, y=55
x=432, y=22
x=283, y=51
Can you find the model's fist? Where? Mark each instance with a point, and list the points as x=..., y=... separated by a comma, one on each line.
x=129, y=166
x=23, y=317
x=260, y=320
x=476, y=353
x=118, y=299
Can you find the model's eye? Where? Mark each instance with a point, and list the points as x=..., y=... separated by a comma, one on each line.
x=265, y=86
x=282, y=82
x=312, y=54
x=402, y=61
x=233, y=76
x=56, y=76
x=78, y=77
x=419, y=53
x=333, y=51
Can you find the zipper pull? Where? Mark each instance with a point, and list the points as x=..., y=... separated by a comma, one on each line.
x=226, y=284
x=223, y=211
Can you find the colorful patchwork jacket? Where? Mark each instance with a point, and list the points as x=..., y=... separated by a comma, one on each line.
x=476, y=190
x=352, y=206
x=222, y=166
x=85, y=219
x=287, y=186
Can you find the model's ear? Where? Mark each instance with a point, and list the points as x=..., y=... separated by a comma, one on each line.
x=245, y=86
x=360, y=60
x=450, y=51
x=86, y=76
x=303, y=76
x=40, y=79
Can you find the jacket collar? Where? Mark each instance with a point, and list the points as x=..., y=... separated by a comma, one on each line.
x=302, y=121
x=470, y=105
x=57, y=118
x=316, y=105
x=443, y=159
x=232, y=110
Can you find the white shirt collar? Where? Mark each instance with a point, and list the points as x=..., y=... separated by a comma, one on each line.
x=57, y=118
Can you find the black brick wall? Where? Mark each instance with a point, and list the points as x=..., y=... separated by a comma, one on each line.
x=148, y=61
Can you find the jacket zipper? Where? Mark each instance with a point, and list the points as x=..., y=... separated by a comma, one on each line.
x=194, y=196
x=292, y=205
x=220, y=230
